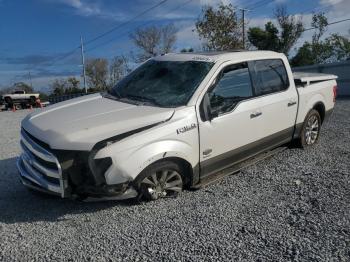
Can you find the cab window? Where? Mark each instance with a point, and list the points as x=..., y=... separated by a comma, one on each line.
x=233, y=85
x=269, y=76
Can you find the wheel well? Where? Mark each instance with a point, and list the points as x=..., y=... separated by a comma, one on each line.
x=187, y=168
x=320, y=108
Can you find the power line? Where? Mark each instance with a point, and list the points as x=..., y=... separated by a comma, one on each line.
x=333, y=23
x=67, y=54
x=126, y=22
x=319, y=8
x=258, y=4
x=144, y=24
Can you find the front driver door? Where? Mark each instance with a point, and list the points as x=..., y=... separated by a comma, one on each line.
x=230, y=135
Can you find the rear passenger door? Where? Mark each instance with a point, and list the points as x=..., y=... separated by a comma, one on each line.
x=277, y=99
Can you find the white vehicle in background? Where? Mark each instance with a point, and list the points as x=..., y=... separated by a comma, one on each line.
x=178, y=120
x=19, y=99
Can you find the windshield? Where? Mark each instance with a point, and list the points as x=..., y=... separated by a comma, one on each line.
x=162, y=83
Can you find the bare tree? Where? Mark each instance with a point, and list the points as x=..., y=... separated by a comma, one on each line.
x=168, y=38
x=97, y=73
x=118, y=69
x=154, y=40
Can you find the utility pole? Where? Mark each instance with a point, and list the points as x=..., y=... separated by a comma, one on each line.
x=30, y=79
x=83, y=62
x=243, y=25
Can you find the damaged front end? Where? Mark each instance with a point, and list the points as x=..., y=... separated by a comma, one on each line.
x=70, y=174
x=87, y=180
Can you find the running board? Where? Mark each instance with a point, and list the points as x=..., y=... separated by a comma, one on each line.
x=236, y=168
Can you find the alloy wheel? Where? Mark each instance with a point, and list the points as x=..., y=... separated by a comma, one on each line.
x=163, y=183
x=312, y=129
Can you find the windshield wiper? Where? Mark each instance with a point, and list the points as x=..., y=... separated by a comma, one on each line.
x=118, y=97
x=114, y=93
x=143, y=99
x=109, y=95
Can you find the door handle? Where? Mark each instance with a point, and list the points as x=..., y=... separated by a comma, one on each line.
x=207, y=152
x=253, y=115
x=292, y=103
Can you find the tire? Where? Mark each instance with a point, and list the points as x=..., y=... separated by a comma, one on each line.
x=8, y=101
x=310, y=132
x=160, y=180
x=32, y=101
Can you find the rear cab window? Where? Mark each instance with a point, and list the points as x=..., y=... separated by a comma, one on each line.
x=268, y=76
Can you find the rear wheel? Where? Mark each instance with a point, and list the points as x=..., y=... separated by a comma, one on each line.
x=9, y=102
x=32, y=101
x=163, y=179
x=311, y=129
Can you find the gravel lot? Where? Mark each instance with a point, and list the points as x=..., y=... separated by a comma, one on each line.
x=292, y=206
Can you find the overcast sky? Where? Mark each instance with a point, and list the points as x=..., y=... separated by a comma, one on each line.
x=34, y=33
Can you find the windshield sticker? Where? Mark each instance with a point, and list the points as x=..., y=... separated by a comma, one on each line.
x=201, y=58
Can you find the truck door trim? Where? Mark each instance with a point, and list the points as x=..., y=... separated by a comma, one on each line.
x=228, y=159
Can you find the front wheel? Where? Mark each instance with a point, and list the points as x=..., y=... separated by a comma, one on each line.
x=311, y=129
x=160, y=180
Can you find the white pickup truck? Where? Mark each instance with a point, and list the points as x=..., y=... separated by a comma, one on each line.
x=176, y=121
x=19, y=99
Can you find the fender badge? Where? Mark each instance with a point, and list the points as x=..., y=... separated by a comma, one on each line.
x=186, y=128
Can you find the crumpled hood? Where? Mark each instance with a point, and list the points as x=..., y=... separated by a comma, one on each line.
x=80, y=123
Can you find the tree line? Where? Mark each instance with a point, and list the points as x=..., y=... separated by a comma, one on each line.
x=219, y=28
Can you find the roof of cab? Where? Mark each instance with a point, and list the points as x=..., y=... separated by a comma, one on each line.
x=218, y=56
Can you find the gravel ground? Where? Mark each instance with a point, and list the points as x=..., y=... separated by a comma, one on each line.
x=294, y=206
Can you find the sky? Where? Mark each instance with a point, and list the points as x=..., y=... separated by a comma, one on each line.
x=40, y=39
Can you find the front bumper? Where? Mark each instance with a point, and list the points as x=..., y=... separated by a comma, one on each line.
x=40, y=170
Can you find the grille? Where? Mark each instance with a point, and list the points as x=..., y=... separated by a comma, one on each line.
x=39, y=165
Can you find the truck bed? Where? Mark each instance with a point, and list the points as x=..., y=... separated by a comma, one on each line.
x=309, y=78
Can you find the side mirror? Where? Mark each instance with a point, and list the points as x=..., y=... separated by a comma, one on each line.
x=206, y=111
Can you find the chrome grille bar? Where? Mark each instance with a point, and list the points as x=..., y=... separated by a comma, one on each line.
x=31, y=166
x=36, y=149
x=31, y=159
x=38, y=179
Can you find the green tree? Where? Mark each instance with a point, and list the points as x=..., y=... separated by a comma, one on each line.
x=23, y=86
x=340, y=47
x=333, y=48
x=265, y=39
x=58, y=87
x=73, y=86
x=279, y=38
x=97, y=73
x=43, y=96
x=220, y=28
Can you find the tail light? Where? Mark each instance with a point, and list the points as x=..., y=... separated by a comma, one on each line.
x=334, y=93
